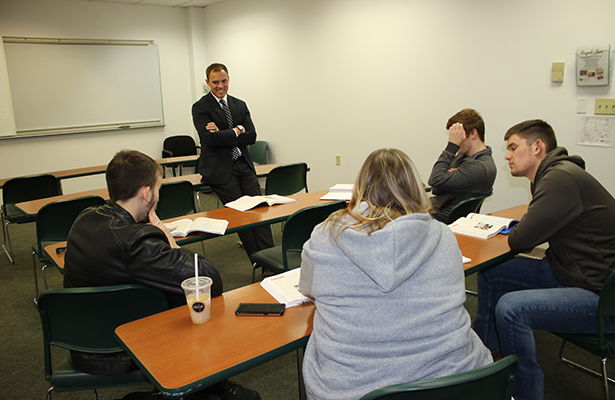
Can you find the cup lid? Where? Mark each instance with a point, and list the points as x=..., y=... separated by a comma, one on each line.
x=191, y=283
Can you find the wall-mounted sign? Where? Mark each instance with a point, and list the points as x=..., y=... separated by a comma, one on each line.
x=593, y=65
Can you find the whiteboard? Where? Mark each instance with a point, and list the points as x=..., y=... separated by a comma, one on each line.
x=59, y=88
x=7, y=123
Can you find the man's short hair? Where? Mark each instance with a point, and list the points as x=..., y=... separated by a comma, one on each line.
x=471, y=120
x=215, y=67
x=129, y=171
x=533, y=130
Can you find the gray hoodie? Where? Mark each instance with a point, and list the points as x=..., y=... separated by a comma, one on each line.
x=389, y=308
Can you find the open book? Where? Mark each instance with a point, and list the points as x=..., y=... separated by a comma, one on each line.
x=185, y=227
x=284, y=288
x=341, y=191
x=248, y=202
x=482, y=226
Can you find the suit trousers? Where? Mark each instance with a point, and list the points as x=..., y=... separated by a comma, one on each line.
x=243, y=182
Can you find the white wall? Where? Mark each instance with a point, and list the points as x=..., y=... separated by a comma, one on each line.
x=73, y=19
x=346, y=77
x=325, y=77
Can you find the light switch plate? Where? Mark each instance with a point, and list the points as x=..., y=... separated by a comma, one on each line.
x=605, y=107
x=557, y=72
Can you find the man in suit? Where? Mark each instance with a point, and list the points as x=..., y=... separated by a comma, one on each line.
x=226, y=129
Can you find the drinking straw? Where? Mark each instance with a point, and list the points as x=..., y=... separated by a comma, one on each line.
x=196, y=274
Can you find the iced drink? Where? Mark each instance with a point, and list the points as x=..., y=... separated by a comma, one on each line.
x=198, y=298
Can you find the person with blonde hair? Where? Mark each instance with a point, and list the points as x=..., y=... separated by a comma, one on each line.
x=388, y=284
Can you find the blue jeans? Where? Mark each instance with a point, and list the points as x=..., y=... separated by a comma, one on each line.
x=522, y=295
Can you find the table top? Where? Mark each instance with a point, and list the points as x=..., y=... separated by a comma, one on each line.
x=198, y=356
x=486, y=253
x=238, y=220
x=99, y=169
x=201, y=355
x=32, y=207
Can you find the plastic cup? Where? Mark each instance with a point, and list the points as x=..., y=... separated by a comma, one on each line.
x=198, y=297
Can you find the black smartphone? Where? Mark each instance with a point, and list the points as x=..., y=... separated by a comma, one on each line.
x=272, y=309
x=60, y=250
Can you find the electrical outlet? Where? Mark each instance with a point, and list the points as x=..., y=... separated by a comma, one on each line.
x=605, y=107
x=338, y=159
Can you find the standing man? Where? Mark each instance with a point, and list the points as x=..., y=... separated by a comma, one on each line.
x=124, y=242
x=465, y=168
x=573, y=212
x=226, y=129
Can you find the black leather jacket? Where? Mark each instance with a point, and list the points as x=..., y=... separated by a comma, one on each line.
x=107, y=247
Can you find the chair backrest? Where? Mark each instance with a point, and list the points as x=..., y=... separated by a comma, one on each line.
x=178, y=146
x=84, y=319
x=54, y=220
x=175, y=199
x=465, y=207
x=17, y=190
x=299, y=226
x=258, y=151
x=491, y=382
x=287, y=179
x=606, y=306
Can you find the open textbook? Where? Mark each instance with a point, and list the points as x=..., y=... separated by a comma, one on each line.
x=245, y=203
x=482, y=226
x=185, y=227
x=284, y=288
x=341, y=191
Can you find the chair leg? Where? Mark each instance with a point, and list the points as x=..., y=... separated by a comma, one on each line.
x=302, y=394
x=602, y=376
x=605, y=379
x=7, y=240
x=44, y=277
x=254, y=267
x=471, y=293
x=35, y=277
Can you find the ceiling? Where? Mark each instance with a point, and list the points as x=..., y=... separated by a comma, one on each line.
x=169, y=3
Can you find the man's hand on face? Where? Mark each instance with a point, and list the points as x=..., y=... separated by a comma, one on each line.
x=456, y=133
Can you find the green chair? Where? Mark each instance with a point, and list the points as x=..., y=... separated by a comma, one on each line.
x=287, y=179
x=491, y=382
x=601, y=344
x=84, y=319
x=22, y=189
x=465, y=207
x=179, y=146
x=175, y=199
x=297, y=231
x=259, y=152
x=53, y=222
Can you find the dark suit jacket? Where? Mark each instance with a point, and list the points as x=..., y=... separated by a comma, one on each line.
x=216, y=162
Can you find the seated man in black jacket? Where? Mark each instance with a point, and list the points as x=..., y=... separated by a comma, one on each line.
x=124, y=242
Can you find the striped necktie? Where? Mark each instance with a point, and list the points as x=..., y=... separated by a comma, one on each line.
x=235, y=153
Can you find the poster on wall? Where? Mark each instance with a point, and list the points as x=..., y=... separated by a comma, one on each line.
x=596, y=131
x=593, y=65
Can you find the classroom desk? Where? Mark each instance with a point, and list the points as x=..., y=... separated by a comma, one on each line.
x=181, y=357
x=99, y=169
x=486, y=253
x=237, y=220
x=32, y=207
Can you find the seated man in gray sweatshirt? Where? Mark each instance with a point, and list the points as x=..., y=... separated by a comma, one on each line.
x=465, y=168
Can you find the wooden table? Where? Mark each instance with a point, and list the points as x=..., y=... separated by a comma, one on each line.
x=99, y=169
x=181, y=357
x=32, y=207
x=486, y=253
x=237, y=220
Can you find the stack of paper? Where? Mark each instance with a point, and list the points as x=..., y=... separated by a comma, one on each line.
x=284, y=288
x=341, y=191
